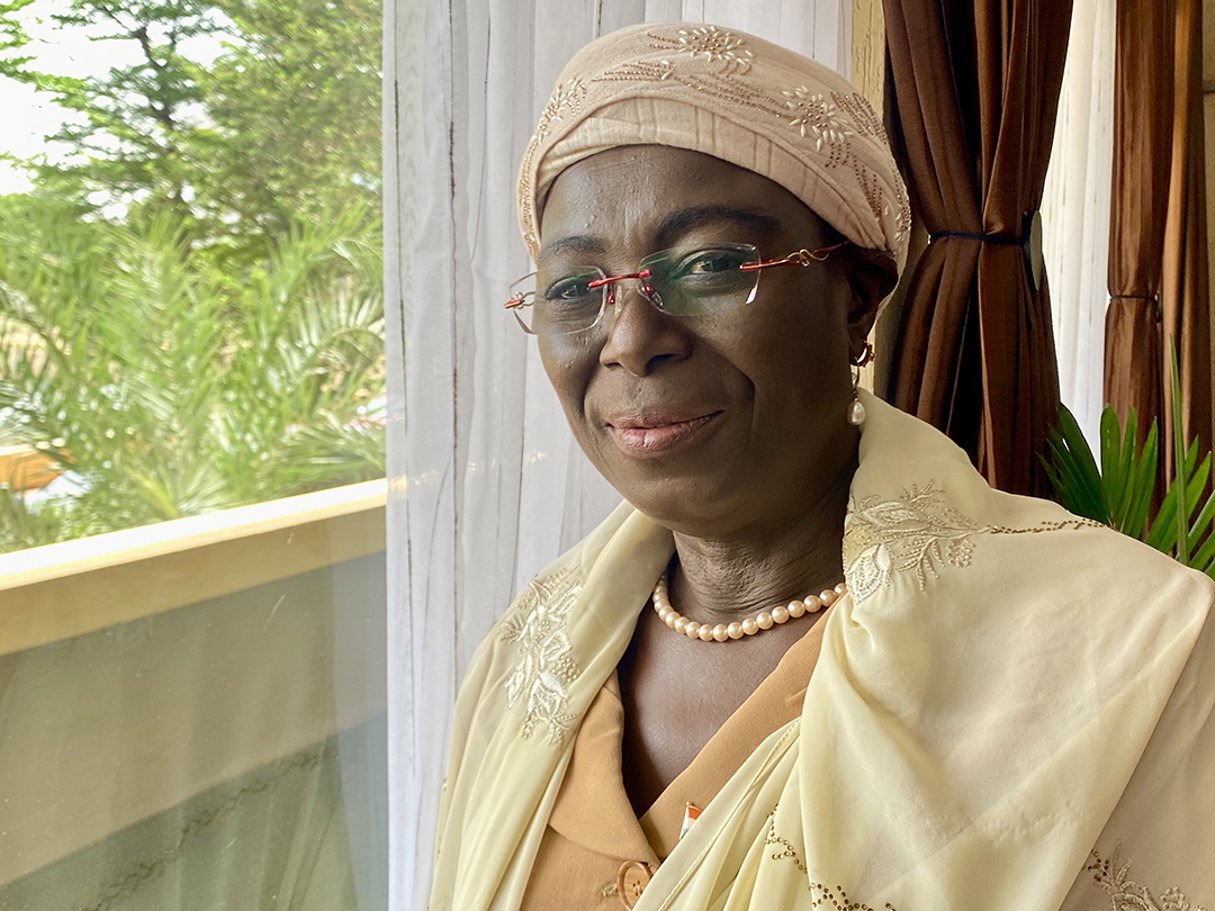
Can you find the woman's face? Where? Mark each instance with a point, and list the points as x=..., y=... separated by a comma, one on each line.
x=709, y=424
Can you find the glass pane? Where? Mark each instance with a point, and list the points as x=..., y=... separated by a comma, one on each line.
x=191, y=309
x=191, y=455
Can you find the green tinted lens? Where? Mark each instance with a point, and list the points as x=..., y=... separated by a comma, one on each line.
x=705, y=280
x=567, y=304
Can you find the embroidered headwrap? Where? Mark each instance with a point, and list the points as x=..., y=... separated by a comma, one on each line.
x=735, y=97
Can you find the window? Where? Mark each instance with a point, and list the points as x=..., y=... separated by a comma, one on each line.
x=191, y=455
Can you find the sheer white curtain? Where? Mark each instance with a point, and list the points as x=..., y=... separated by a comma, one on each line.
x=1076, y=210
x=487, y=486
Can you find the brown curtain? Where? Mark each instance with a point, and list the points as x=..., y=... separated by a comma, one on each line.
x=1143, y=153
x=976, y=86
x=1158, y=276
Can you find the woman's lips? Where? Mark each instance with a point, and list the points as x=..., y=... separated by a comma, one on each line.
x=642, y=438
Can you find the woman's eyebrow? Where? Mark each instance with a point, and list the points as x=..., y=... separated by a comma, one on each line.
x=683, y=220
x=675, y=224
x=574, y=243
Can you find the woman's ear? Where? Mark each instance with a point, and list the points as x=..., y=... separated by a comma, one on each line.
x=872, y=276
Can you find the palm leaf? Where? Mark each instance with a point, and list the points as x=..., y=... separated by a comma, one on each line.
x=1163, y=532
x=1121, y=492
x=1074, y=470
x=175, y=386
x=1142, y=483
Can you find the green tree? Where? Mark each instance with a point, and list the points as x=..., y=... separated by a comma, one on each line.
x=13, y=37
x=282, y=126
x=126, y=358
x=126, y=132
x=294, y=114
x=191, y=308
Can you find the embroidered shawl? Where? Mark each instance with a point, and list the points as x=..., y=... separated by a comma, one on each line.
x=1011, y=711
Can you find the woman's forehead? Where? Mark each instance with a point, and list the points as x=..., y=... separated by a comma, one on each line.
x=655, y=168
x=663, y=190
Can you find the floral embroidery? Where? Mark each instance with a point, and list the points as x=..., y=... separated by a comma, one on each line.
x=903, y=216
x=871, y=189
x=915, y=532
x=546, y=665
x=724, y=86
x=863, y=116
x=823, y=896
x=868, y=123
x=1126, y=894
x=714, y=44
x=918, y=532
x=814, y=114
x=567, y=99
x=825, y=119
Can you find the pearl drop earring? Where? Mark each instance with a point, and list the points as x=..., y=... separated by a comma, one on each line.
x=856, y=408
x=856, y=411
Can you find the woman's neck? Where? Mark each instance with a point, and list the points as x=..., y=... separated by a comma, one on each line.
x=719, y=580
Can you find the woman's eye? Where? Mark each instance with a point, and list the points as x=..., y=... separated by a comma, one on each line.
x=712, y=261
x=570, y=289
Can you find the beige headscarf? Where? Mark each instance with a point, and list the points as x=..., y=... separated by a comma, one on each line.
x=735, y=97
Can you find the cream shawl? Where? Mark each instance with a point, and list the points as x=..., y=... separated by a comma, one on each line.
x=1011, y=710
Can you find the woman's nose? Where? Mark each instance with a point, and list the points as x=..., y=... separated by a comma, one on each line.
x=639, y=335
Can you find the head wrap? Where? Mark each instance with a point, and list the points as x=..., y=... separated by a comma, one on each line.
x=735, y=97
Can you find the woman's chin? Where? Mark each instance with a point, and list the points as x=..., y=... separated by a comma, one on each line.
x=704, y=506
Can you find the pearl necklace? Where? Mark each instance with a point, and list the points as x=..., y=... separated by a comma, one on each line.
x=765, y=619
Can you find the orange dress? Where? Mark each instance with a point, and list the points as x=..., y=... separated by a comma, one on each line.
x=594, y=839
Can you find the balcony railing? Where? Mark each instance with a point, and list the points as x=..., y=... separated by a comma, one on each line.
x=148, y=674
x=57, y=592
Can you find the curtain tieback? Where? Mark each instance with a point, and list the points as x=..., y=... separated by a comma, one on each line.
x=1009, y=240
x=1153, y=299
x=1029, y=240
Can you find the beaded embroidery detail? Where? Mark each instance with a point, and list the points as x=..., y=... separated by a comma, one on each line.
x=1126, y=894
x=566, y=99
x=814, y=114
x=714, y=44
x=824, y=896
x=546, y=665
x=917, y=532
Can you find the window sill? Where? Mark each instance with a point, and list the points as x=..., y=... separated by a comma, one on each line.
x=49, y=594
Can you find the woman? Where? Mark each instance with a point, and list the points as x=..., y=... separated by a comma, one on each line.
x=877, y=682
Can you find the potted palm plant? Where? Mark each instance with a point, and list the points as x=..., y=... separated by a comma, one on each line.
x=1120, y=488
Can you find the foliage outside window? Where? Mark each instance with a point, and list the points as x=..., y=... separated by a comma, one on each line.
x=191, y=307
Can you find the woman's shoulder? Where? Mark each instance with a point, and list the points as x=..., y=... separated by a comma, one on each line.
x=541, y=607
x=541, y=659
x=920, y=506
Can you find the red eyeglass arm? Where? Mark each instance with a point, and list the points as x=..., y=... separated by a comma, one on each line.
x=798, y=258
